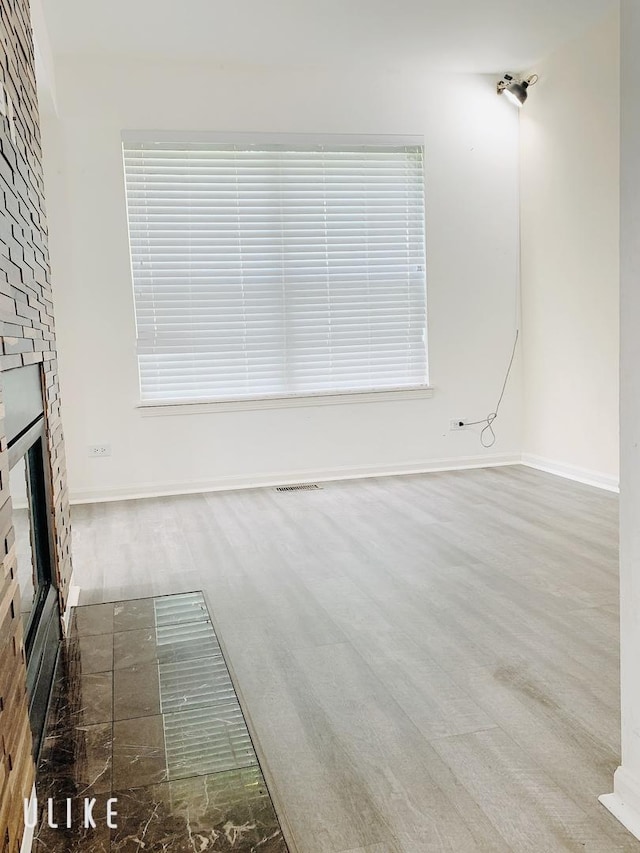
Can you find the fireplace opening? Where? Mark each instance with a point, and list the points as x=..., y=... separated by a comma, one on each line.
x=30, y=488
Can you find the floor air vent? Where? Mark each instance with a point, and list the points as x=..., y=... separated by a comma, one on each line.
x=299, y=487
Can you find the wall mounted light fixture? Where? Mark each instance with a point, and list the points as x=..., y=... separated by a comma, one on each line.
x=516, y=90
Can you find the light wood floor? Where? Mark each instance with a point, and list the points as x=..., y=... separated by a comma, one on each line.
x=430, y=663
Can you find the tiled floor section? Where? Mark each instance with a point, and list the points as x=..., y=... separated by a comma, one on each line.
x=144, y=710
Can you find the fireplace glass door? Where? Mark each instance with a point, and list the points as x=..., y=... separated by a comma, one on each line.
x=26, y=484
x=32, y=510
x=27, y=566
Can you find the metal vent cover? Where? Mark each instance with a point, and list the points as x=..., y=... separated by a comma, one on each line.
x=298, y=487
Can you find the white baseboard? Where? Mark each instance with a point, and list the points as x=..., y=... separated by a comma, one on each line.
x=624, y=803
x=220, y=484
x=73, y=599
x=572, y=472
x=29, y=831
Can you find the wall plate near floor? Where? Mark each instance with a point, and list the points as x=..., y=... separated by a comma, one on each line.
x=98, y=450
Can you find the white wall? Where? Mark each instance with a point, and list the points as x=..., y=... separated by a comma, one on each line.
x=472, y=174
x=625, y=801
x=570, y=258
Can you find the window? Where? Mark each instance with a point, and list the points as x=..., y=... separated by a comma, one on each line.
x=271, y=270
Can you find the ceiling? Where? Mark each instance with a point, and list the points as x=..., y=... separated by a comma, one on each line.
x=459, y=35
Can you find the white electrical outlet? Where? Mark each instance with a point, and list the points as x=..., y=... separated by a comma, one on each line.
x=458, y=424
x=99, y=450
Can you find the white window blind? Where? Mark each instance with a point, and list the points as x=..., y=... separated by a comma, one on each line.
x=264, y=271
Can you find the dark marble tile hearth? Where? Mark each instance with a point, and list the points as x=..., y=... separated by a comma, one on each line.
x=144, y=711
x=77, y=763
x=164, y=643
x=228, y=811
x=136, y=692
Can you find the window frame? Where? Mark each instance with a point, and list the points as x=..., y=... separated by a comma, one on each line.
x=154, y=408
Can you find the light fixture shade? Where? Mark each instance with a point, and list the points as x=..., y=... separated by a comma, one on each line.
x=516, y=88
x=517, y=92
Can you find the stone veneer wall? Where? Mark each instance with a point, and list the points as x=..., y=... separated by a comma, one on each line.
x=27, y=337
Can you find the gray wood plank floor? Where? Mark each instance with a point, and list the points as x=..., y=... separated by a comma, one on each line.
x=429, y=663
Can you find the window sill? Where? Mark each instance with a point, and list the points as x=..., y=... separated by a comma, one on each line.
x=153, y=410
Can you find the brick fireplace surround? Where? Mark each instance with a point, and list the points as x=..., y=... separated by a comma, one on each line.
x=27, y=337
